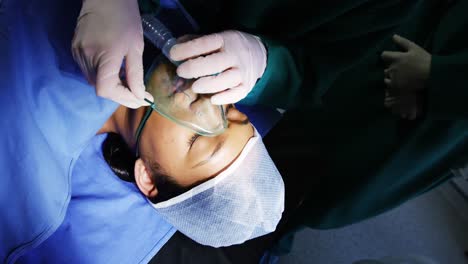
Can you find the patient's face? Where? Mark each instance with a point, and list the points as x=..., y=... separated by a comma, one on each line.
x=183, y=154
x=174, y=98
x=188, y=157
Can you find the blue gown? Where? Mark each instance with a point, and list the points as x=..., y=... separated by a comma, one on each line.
x=49, y=116
x=107, y=221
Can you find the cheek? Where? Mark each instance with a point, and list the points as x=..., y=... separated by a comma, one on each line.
x=180, y=104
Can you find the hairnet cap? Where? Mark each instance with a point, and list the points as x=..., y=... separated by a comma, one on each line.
x=244, y=201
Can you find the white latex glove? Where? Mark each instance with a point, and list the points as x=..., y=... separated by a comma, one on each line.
x=238, y=59
x=408, y=106
x=107, y=33
x=408, y=70
x=406, y=78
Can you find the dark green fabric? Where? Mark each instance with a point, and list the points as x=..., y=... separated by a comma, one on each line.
x=448, y=84
x=148, y=6
x=374, y=161
x=302, y=66
x=324, y=66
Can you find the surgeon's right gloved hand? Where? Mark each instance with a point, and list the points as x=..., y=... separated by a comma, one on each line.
x=228, y=64
x=109, y=32
x=406, y=77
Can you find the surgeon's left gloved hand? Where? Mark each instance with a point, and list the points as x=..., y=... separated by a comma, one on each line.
x=228, y=64
x=109, y=32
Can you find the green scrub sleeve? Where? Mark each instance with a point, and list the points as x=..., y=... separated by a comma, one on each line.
x=447, y=92
x=280, y=83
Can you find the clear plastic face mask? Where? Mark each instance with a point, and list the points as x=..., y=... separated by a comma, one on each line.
x=175, y=100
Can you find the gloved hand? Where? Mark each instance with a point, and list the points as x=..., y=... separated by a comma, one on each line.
x=228, y=64
x=406, y=77
x=408, y=106
x=109, y=32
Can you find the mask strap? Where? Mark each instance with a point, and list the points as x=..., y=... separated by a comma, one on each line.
x=142, y=124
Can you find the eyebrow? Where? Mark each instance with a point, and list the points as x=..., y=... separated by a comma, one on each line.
x=215, y=151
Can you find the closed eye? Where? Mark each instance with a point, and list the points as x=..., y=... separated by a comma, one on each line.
x=192, y=140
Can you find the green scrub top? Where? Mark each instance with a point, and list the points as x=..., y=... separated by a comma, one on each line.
x=375, y=161
x=324, y=67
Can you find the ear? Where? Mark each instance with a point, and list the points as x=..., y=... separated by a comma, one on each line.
x=143, y=179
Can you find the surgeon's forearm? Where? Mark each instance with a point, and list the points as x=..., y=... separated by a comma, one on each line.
x=280, y=84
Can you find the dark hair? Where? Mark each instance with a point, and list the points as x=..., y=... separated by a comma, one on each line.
x=122, y=162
